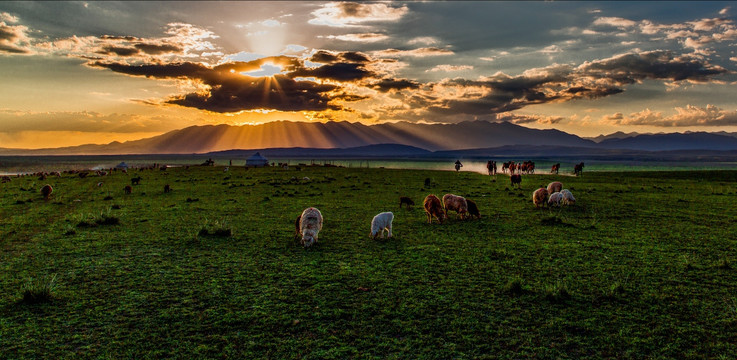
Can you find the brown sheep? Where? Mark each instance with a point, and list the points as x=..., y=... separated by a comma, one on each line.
x=539, y=197
x=405, y=200
x=516, y=179
x=473, y=210
x=127, y=189
x=555, y=186
x=433, y=207
x=455, y=203
x=46, y=191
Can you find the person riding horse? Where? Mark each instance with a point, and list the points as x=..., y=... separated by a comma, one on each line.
x=458, y=165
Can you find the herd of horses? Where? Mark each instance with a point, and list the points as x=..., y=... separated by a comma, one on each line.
x=527, y=167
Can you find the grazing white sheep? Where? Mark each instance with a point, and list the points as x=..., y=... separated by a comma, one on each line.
x=554, y=187
x=310, y=223
x=381, y=222
x=554, y=199
x=568, y=198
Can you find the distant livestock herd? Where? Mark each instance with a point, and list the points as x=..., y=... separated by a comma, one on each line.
x=309, y=223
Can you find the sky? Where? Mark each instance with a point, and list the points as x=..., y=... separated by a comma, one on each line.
x=94, y=72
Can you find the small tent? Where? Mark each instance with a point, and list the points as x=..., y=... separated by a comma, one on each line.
x=122, y=166
x=257, y=160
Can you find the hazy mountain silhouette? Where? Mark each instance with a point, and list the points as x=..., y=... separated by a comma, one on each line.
x=615, y=135
x=284, y=134
x=433, y=137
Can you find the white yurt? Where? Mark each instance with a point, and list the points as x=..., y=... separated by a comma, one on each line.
x=257, y=160
x=122, y=166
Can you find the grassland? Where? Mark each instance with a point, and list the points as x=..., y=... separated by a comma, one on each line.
x=643, y=266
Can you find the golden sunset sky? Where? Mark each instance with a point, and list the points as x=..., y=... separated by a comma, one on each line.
x=95, y=72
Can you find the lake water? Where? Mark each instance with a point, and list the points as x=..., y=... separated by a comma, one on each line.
x=11, y=165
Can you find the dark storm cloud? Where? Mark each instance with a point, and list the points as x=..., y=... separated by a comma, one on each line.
x=231, y=91
x=558, y=83
x=278, y=93
x=395, y=84
x=631, y=68
x=336, y=71
x=118, y=50
x=157, y=49
x=326, y=57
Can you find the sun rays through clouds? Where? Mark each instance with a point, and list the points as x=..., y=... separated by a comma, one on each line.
x=374, y=62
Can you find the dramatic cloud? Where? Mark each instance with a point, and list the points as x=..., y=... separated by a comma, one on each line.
x=684, y=116
x=615, y=22
x=558, y=83
x=386, y=85
x=663, y=65
x=229, y=88
x=348, y=14
x=184, y=41
x=528, y=119
x=364, y=37
x=14, y=39
x=450, y=68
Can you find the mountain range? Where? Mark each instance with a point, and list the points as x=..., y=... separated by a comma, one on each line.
x=430, y=137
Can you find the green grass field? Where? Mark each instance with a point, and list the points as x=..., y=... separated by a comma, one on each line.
x=643, y=266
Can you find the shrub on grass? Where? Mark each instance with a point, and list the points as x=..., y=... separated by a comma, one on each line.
x=69, y=229
x=557, y=292
x=515, y=286
x=215, y=229
x=104, y=218
x=41, y=290
x=724, y=264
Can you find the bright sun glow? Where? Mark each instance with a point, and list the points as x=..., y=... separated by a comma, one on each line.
x=265, y=70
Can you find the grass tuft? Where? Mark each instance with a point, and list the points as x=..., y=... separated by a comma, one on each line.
x=69, y=230
x=41, y=290
x=557, y=292
x=215, y=229
x=515, y=286
x=724, y=264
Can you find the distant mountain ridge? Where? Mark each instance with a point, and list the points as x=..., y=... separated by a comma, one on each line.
x=344, y=135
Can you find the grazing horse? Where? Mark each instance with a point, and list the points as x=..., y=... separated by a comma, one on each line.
x=491, y=167
x=516, y=179
x=512, y=167
x=505, y=167
x=555, y=168
x=578, y=169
